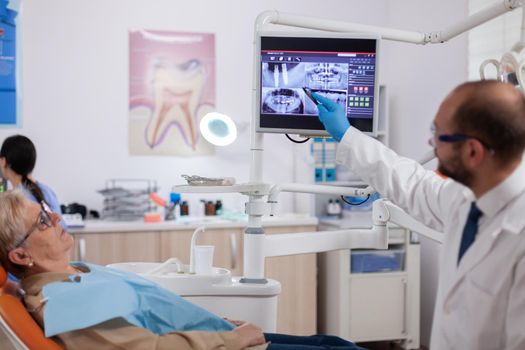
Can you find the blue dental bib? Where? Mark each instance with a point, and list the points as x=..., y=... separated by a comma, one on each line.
x=104, y=293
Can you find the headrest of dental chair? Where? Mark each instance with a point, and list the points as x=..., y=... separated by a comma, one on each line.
x=3, y=276
x=15, y=319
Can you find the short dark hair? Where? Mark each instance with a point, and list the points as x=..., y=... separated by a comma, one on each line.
x=19, y=153
x=493, y=114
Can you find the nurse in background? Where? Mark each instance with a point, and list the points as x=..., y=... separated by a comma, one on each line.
x=17, y=161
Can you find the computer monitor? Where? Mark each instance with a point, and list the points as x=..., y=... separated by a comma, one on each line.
x=342, y=67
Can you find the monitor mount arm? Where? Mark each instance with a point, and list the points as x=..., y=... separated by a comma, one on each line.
x=472, y=21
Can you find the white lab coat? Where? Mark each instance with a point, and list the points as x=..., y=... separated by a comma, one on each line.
x=480, y=303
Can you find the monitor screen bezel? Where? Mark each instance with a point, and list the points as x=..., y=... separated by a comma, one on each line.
x=310, y=34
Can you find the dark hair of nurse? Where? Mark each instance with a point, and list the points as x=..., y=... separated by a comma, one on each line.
x=18, y=155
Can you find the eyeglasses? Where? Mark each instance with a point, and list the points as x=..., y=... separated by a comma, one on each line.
x=43, y=222
x=454, y=138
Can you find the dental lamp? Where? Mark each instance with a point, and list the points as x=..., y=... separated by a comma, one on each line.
x=218, y=129
x=511, y=67
x=258, y=246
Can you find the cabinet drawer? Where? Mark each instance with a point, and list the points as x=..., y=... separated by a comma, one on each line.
x=371, y=261
x=377, y=306
x=108, y=247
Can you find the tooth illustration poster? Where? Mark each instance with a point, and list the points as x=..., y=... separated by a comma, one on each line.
x=171, y=87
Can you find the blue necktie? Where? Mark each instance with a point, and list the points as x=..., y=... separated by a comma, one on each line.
x=470, y=230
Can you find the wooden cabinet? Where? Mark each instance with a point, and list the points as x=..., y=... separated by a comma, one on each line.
x=296, y=313
x=110, y=247
x=296, y=310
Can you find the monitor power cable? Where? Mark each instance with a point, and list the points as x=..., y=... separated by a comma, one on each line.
x=296, y=141
x=347, y=202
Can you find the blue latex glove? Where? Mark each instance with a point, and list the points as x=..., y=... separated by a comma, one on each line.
x=333, y=116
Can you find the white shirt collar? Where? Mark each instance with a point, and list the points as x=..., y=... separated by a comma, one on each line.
x=498, y=197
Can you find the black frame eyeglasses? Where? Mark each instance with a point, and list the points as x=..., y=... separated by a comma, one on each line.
x=449, y=138
x=43, y=222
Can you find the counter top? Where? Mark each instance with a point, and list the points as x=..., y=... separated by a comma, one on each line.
x=189, y=223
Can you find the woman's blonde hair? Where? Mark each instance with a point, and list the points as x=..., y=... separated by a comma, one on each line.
x=12, y=228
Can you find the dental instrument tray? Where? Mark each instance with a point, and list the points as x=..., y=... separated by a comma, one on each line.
x=127, y=199
x=196, y=180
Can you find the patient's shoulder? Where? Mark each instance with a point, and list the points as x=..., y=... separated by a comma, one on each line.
x=33, y=284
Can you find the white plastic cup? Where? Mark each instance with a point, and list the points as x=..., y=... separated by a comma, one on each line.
x=203, y=259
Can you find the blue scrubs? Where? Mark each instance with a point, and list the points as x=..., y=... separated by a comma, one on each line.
x=49, y=196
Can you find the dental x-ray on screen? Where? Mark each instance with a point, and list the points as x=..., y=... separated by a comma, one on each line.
x=342, y=67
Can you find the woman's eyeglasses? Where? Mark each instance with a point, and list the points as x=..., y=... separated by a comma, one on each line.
x=43, y=222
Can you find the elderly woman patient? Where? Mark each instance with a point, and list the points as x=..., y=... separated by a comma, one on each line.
x=84, y=306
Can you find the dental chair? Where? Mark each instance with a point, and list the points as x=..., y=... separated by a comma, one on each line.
x=16, y=323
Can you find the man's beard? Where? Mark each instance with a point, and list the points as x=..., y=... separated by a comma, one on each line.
x=456, y=171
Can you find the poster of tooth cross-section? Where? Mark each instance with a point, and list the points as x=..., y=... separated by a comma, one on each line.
x=171, y=87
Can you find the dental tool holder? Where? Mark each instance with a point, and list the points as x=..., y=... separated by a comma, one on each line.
x=127, y=199
x=258, y=246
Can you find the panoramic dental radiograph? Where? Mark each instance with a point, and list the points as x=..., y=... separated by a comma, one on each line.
x=282, y=101
x=326, y=76
x=177, y=92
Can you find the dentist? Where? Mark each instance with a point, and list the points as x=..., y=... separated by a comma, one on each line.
x=478, y=135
